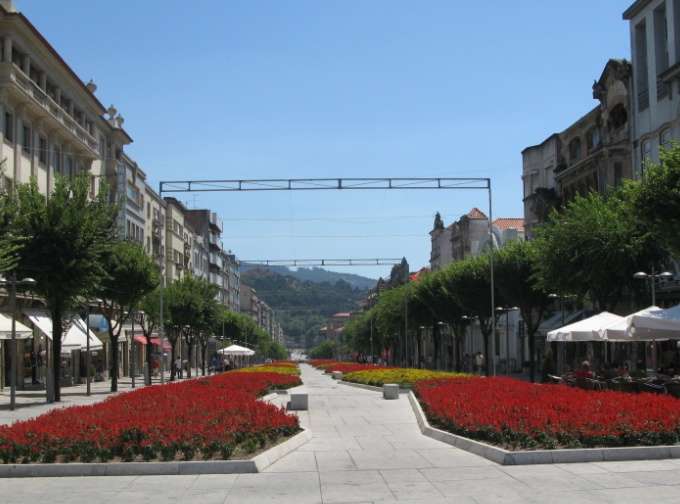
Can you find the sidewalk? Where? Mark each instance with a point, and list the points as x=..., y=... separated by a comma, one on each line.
x=31, y=403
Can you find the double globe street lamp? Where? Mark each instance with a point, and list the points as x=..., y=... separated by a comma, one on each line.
x=506, y=310
x=652, y=277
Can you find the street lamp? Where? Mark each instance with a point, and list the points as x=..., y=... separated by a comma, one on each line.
x=506, y=310
x=641, y=275
x=12, y=283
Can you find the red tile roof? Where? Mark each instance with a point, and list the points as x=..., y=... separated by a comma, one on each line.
x=342, y=315
x=476, y=213
x=504, y=223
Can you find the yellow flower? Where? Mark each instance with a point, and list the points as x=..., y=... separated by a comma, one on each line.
x=405, y=377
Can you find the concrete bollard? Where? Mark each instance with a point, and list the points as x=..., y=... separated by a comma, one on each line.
x=337, y=375
x=299, y=401
x=391, y=391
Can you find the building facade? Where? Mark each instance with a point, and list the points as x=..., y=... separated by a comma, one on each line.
x=592, y=154
x=51, y=122
x=655, y=52
x=469, y=237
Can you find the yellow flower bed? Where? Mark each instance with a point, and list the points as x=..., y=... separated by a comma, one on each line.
x=405, y=377
x=266, y=368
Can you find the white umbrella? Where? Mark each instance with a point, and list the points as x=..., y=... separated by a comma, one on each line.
x=20, y=330
x=76, y=337
x=652, y=323
x=589, y=329
x=236, y=350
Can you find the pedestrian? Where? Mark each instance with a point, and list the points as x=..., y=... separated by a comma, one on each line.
x=479, y=362
x=178, y=367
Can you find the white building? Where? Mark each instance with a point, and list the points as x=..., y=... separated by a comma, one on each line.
x=655, y=50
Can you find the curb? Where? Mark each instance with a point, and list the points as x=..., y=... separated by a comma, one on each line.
x=253, y=465
x=527, y=457
x=370, y=387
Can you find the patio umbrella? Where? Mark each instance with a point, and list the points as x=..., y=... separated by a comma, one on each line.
x=590, y=329
x=652, y=323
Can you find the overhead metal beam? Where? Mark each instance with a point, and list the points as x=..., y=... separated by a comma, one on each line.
x=324, y=184
x=323, y=262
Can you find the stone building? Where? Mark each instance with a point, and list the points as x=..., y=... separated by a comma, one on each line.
x=592, y=154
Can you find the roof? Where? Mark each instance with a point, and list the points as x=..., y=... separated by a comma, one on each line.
x=635, y=9
x=476, y=213
x=554, y=135
x=342, y=315
x=414, y=277
x=504, y=223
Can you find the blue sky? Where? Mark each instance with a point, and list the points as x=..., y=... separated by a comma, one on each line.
x=303, y=88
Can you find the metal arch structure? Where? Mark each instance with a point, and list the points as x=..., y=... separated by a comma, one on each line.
x=322, y=262
x=340, y=184
x=321, y=184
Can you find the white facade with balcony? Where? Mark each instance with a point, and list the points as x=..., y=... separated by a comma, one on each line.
x=655, y=50
x=51, y=123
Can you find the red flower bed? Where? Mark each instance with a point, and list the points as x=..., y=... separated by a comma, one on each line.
x=204, y=418
x=517, y=414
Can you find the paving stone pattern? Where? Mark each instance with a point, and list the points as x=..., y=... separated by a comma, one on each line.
x=366, y=449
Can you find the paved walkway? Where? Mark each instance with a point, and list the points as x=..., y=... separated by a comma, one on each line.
x=367, y=450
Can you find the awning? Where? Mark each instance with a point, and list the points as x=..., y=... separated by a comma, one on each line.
x=236, y=350
x=652, y=323
x=20, y=330
x=155, y=341
x=76, y=337
x=40, y=319
x=590, y=329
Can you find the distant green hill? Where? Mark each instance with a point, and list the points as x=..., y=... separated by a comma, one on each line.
x=302, y=306
x=316, y=274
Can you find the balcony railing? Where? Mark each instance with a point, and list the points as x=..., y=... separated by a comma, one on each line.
x=643, y=100
x=216, y=221
x=53, y=108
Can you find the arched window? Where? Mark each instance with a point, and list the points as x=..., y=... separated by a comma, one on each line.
x=575, y=150
x=618, y=116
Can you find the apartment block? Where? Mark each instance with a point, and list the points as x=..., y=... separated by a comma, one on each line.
x=51, y=123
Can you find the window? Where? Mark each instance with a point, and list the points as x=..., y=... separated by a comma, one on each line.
x=665, y=139
x=26, y=140
x=646, y=153
x=661, y=48
x=642, y=77
x=575, y=150
x=57, y=160
x=618, y=174
x=148, y=210
x=618, y=117
x=593, y=139
x=9, y=127
x=42, y=150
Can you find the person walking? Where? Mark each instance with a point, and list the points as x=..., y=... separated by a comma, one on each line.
x=178, y=367
x=479, y=363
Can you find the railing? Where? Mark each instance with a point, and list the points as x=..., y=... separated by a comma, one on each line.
x=216, y=221
x=54, y=109
x=662, y=89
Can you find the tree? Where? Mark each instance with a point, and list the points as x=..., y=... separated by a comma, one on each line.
x=515, y=269
x=66, y=236
x=469, y=281
x=131, y=275
x=150, y=321
x=656, y=199
x=324, y=350
x=593, y=247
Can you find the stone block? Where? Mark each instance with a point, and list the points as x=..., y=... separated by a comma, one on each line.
x=337, y=375
x=390, y=391
x=299, y=401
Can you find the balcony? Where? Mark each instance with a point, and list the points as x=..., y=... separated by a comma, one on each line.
x=215, y=221
x=41, y=104
x=215, y=259
x=214, y=240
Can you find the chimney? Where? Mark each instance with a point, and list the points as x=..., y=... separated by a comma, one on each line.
x=8, y=5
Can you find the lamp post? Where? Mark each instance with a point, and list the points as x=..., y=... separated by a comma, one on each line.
x=506, y=310
x=12, y=283
x=467, y=319
x=641, y=275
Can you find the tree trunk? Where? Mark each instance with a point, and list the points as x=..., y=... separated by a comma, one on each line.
x=57, y=332
x=204, y=353
x=487, y=357
x=148, y=358
x=172, y=360
x=190, y=352
x=532, y=358
x=435, y=344
x=114, y=361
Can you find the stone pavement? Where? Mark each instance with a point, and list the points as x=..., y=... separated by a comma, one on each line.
x=367, y=450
